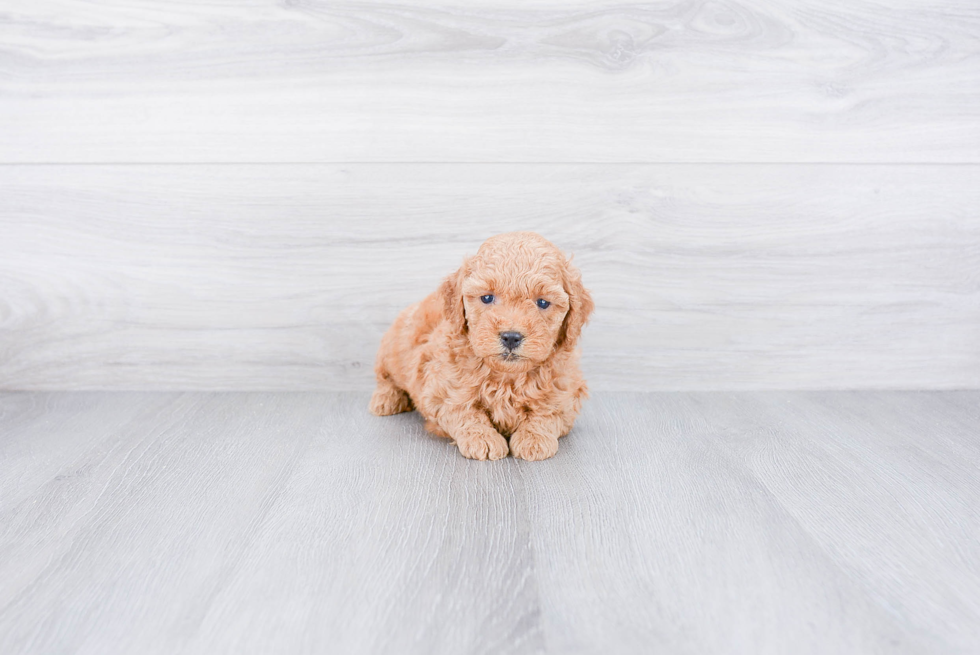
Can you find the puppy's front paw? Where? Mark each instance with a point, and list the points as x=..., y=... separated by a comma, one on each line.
x=532, y=446
x=481, y=443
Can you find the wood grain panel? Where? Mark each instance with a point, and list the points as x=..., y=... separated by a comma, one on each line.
x=313, y=81
x=285, y=277
x=761, y=522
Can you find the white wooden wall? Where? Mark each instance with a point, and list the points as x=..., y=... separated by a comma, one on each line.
x=241, y=194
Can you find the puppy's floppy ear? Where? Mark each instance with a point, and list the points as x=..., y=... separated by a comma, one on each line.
x=452, y=297
x=580, y=306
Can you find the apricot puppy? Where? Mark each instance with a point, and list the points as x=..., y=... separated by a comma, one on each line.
x=491, y=355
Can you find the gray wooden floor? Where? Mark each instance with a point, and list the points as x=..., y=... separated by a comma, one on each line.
x=789, y=522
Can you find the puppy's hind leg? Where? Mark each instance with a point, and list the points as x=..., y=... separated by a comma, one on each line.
x=389, y=399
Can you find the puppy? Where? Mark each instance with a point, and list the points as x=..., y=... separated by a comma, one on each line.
x=491, y=355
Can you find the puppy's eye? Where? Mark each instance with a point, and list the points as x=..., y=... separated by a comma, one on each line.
x=487, y=299
x=543, y=304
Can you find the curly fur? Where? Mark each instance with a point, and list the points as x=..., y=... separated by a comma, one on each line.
x=444, y=357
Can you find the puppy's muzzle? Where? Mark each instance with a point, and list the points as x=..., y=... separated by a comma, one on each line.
x=511, y=340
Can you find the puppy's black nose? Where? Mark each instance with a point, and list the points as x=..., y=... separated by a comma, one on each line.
x=511, y=340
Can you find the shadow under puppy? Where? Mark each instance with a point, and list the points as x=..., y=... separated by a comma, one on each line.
x=491, y=354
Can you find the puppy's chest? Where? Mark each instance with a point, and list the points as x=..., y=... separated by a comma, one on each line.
x=506, y=406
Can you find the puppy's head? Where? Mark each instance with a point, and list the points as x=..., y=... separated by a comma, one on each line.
x=517, y=301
